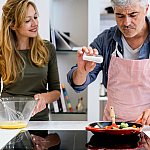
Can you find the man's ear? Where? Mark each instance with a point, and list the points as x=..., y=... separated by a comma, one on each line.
x=147, y=7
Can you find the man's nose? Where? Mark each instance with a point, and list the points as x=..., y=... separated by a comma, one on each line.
x=127, y=21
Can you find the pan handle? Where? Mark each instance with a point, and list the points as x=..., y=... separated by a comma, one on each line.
x=89, y=128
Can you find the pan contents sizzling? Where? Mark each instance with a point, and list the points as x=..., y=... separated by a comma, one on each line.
x=122, y=126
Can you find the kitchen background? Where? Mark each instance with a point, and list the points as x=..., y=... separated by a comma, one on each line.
x=84, y=20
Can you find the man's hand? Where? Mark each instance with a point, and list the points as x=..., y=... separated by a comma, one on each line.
x=84, y=67
x=145, y=141
x=144, y=117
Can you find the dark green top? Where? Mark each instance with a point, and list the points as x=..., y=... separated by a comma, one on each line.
x=36, y=79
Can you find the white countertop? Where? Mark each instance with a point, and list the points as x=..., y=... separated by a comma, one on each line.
x=57, y=125
x=42, y=125
x=49, y=125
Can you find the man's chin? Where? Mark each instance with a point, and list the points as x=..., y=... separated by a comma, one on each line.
x=129, y=35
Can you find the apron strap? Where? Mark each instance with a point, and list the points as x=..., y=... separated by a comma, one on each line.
x=118, y=51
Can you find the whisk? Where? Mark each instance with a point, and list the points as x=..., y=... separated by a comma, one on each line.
x=13, y=115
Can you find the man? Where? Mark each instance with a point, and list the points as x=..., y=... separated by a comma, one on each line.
x=126, y=66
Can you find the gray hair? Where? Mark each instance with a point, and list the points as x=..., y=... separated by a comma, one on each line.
x=114, y=3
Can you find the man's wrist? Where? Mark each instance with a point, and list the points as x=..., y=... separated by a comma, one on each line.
x=81, y=73
x=79, y=77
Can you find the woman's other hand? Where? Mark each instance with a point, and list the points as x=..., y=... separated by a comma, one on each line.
x=41, y=105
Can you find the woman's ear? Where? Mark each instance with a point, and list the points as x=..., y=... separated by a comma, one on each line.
x=12, y=26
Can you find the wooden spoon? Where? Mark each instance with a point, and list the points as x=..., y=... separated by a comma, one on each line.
x=112, y=115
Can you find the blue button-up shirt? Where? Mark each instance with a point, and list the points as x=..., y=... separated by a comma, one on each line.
x=105, y=43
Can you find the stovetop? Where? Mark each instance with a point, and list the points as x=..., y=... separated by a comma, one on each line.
x=75, y=140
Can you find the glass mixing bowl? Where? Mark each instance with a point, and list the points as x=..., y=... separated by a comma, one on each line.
x=15, y=112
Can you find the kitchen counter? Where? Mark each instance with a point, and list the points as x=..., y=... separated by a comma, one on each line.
x=65, y=135
x=42, y=125
x=57, y=125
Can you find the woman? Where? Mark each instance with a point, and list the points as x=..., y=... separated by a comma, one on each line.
x=28, y=65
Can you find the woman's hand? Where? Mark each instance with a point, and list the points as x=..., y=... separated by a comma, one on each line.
x=45, y=98
x=41, y=105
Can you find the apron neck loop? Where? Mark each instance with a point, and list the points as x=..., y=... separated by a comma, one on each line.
x=118, y=51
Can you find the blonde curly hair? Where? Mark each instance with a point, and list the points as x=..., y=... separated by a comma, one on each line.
x=11, y=62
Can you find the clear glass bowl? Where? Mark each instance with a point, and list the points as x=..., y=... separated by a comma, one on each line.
x=15, y=112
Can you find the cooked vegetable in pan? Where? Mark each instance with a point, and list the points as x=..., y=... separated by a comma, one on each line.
x=117, y=128
x=123, y=125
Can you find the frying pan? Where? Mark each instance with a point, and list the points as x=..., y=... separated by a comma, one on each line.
x=102, y=124
x=115, y=142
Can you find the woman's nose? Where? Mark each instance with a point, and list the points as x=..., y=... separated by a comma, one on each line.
x=34, y=22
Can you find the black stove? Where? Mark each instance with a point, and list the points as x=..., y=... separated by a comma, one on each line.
x=75, y=140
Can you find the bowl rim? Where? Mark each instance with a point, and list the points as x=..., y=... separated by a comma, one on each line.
x=17, y=99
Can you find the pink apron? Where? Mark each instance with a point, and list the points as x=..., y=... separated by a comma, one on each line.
x=128, y=88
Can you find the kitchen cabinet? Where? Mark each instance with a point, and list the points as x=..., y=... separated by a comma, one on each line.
x=65, y=61
x=75, y=17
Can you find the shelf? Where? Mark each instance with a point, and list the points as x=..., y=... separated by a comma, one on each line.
x=107, y=16
x=69, y=116
x=68, y=112
x=66, y=51
x=103, y=98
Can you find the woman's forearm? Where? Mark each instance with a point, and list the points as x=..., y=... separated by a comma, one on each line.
x=50, y=97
